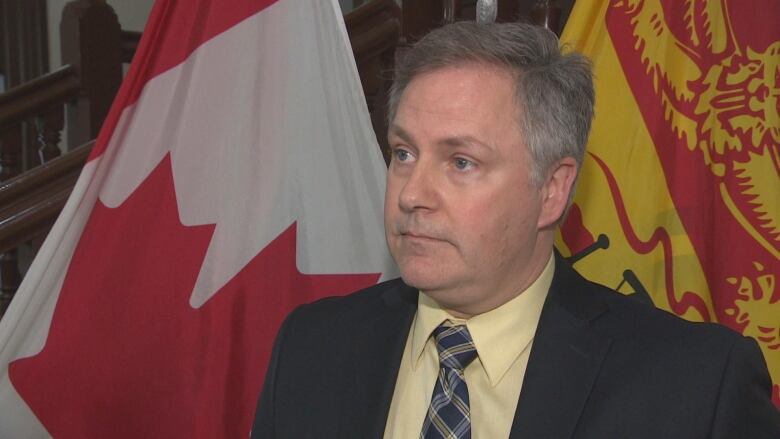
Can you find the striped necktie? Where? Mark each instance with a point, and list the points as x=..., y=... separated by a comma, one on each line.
x=448, y=415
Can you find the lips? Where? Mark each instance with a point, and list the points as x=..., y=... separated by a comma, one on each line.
x=419, y=236
x=417, y=233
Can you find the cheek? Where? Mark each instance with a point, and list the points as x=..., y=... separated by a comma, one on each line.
x=498, y=226
x=482, y=231
x=391, y=197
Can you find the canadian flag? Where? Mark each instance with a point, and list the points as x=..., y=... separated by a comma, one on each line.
x=236, y=177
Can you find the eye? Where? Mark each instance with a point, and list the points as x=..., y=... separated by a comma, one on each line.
x=463, y=164
x=401, y=155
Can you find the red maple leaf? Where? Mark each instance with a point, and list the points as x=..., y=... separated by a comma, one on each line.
x=128, y=357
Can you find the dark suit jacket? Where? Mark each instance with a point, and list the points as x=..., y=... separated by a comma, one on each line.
x=602, y=366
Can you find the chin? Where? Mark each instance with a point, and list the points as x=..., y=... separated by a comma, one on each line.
x=415, y=277
x=429, y=270
x=424, y=278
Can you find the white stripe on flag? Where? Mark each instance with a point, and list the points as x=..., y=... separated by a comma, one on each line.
x=207, y=117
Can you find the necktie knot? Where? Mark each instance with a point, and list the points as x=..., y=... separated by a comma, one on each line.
x=455, y=346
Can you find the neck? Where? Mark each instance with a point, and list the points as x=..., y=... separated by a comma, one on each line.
x=500, y=294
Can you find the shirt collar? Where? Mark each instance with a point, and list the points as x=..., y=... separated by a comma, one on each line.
x=500, y=335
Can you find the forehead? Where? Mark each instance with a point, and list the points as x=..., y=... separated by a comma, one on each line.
x=471, y=80
x=470, y=99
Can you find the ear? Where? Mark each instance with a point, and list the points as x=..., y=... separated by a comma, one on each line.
x=555, y=191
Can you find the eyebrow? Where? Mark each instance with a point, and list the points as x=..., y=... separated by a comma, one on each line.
x=453, y=141
x=459, y=141
x=396, y=130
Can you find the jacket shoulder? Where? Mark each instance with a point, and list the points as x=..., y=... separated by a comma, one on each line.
x=625, y=316
x=695, y=378
x=642, y=321
x=388, y=293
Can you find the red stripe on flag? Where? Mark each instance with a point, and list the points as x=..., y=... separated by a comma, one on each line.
x=660, y=237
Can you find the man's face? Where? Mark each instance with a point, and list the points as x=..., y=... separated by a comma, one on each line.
x=462, y=217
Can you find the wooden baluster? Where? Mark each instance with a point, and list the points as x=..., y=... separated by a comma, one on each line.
x=11, y=278
x=10, y=152
x=24, y=53
x=450, y=10
x=508, y=10
x=49, y=126
x=419, y=17
x=91, y=41
x=10, y=166
x=379, y=115
x=547, y=13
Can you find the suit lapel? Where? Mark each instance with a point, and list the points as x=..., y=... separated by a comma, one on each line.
x=564, y=362
x=373, y=369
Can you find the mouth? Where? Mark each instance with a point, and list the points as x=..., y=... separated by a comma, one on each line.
x=419, y=237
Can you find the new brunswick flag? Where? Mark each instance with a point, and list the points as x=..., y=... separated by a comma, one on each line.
x=680, y=193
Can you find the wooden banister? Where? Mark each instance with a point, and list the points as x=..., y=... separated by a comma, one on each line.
x=374, y=30
x=34, y=97
x=371, y=12
x=128, y=43
x=31, y=201
x=38, y=102
x=91, y=42
x=376, y=39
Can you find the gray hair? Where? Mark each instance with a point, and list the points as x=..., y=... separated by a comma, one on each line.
x=554, y=89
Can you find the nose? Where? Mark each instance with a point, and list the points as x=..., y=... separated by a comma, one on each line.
x=419, y=191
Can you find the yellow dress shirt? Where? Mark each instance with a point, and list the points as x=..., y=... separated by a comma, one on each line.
x=503, y=339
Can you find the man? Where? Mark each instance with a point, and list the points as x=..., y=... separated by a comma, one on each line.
x=489, y=334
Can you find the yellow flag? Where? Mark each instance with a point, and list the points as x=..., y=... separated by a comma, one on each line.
x=679, y=200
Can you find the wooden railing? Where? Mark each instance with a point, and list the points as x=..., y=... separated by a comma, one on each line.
x=30, y=202
x=34, y=182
